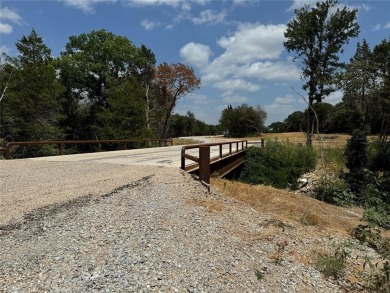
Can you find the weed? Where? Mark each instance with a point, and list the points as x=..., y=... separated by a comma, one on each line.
x=380, y=281
x=259, y=274
x=333, y=265
x=307, y=219
x=277, y=255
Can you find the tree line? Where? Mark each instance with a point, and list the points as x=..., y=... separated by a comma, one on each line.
x=101, y=86
x=317, y=35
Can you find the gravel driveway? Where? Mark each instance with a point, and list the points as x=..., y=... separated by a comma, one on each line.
x=137, y=229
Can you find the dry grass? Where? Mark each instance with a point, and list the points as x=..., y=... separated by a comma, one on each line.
x=332, y=140
x=288, y=206
x=184, y=141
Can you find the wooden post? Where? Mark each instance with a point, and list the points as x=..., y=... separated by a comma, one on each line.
x=204, y=164
x=262, y=142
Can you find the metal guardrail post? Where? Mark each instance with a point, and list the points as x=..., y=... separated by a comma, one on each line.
x=183, y=159
x=204, y=164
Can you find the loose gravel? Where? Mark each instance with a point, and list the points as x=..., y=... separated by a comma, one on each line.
x=159, y=233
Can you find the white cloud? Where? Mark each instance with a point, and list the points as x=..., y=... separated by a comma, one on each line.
x=270, y=71
x=334, y=97
x=244, y=49
x=387, y=25
x=252, y=42
x=237, y=84
x=235, y=99
x=149, y=24
x=86, y=5
x=184, y=5
x=198, y=99
x=281, y=107
x=298, y=4
x=5, y=28
x=8, y=14
x=284, y=100
x=209, y=16
x=196, y=54
x=4, y=49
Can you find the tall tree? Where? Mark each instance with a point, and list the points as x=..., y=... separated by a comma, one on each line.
x=358, y=81
x=146, y=65
x=381, y=95
x=317, y=35
x=173, y=82
x=94, y=64
x=30, y=109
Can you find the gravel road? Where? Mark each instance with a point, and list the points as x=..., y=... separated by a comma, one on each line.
x=141, y=229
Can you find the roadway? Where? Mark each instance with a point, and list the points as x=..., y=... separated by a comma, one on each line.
x=29, y=184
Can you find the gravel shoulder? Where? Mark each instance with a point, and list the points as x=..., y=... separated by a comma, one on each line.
x=148, y=230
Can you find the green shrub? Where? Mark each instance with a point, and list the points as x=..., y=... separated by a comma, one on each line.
x=279, y=164
x=379, y=155
x=333, y=265
x=356, y=153
x=334, y=190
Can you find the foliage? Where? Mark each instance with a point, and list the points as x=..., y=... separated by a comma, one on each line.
x=332, y=189
x=317, y=35
x=376, y=199
x=356, y=160
x=30, y=109
x=294, y=122
x=279, y=164
x=243, y=120
x=333, y=265
x=276, y=127
x=172, y=82
x=379, y=280
x=188, y=125
x=124, y=115
x=92, y=67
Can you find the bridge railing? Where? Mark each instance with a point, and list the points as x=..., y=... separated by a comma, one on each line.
x=204, y=158
x=61, y=143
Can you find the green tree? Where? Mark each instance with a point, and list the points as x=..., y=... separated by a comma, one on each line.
x=124, y=114
x=324, y=113
x=358, y=81
x=30, y=109
x=317, y=35
x=243, y=120
x=381, y=95
x=91, y=67
x=295, y=122
x=277, y=127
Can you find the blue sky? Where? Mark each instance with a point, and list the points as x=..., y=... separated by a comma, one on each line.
x=234, y=46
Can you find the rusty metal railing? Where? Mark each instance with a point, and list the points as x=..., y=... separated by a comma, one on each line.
x=204, y=159
x=7, y=149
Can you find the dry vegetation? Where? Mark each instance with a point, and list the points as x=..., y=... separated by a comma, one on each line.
x=310, y=217
x=288, y=206
x=184, y=141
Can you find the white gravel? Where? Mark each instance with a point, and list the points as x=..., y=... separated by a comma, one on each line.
x=153, y=233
